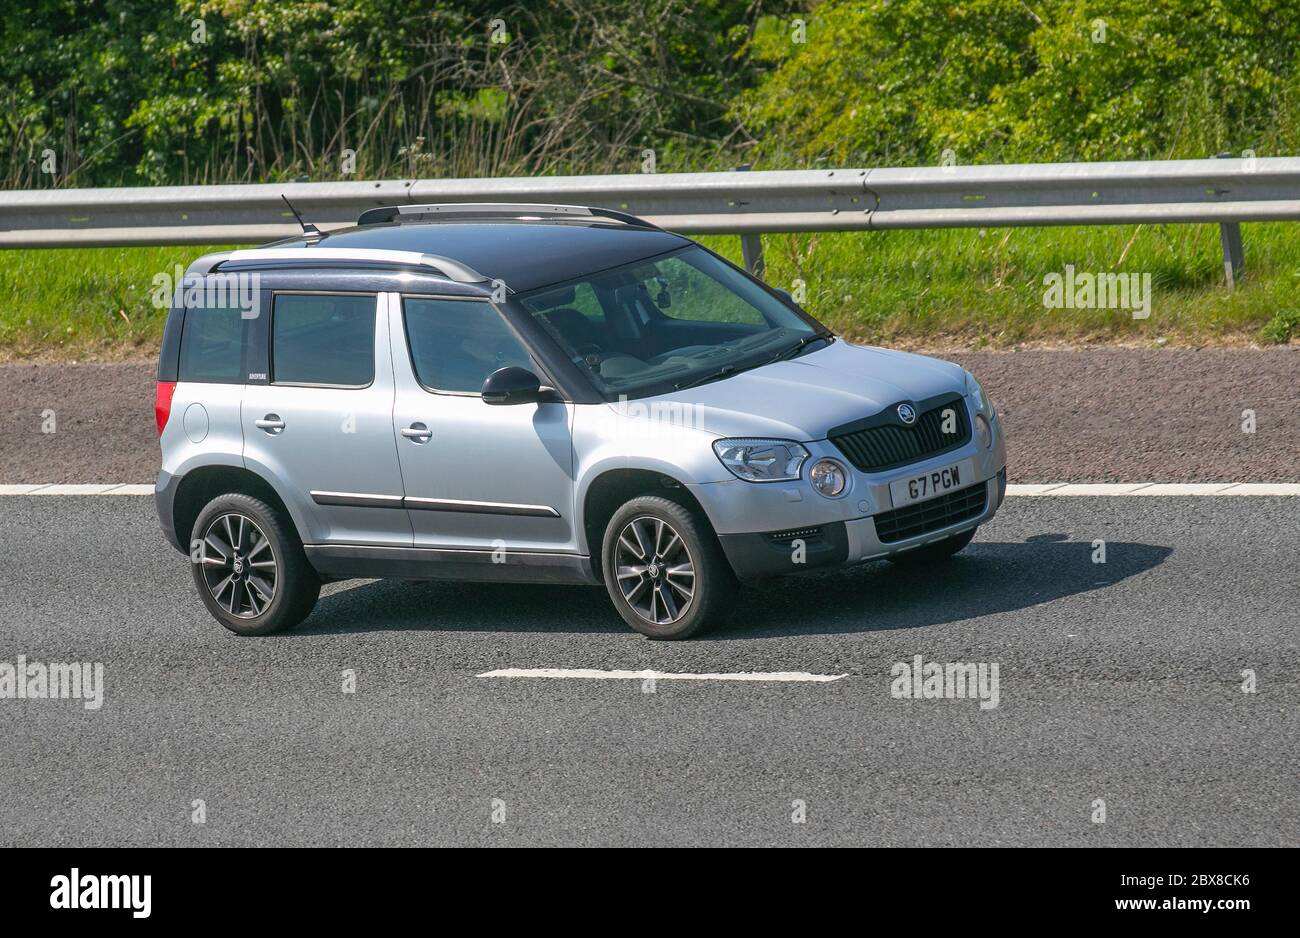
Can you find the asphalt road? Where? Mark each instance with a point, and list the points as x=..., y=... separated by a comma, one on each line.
x=1118, y=681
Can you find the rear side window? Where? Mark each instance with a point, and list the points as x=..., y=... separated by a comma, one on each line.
x=212, y=349
x=456, y=344
x=169, y=359
x=323, y=340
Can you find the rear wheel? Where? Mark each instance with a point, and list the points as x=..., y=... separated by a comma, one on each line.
x=932, y=553
x=664, y=570
x=250, y=568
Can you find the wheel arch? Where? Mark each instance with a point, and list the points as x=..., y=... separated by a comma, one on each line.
x=199, y=486
x=614, y=487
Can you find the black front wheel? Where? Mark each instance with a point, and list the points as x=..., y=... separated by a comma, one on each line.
x=250, y=568
x=664, y=569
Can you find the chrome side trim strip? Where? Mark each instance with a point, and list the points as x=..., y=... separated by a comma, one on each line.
x=485, y=508
x=358, y=500
x=353, y=500
x=481, y=554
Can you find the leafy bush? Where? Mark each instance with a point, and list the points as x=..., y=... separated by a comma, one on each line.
x=173, y=91
x=901, y=81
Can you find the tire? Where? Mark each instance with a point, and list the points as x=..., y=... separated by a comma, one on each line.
x=665, y=611
x=229, y=564
x=933, y=553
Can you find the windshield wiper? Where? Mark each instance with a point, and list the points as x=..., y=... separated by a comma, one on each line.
x=726, y=371
x=799, y=346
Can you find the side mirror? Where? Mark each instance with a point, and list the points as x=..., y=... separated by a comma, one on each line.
x=512, y=385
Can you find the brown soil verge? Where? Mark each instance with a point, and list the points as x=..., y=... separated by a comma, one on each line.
x=1075, y=415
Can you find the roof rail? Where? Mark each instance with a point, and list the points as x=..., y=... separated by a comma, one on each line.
x=516, y=210
x=451, y=269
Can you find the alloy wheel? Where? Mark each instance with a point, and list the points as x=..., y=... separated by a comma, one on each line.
x=239, y=565
x=655, y=570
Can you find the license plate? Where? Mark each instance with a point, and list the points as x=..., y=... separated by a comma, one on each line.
x=935, y=482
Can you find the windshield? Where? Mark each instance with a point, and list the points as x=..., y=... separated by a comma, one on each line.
x=666, y=323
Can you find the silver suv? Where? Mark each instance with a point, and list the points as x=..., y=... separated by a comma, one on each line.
x=550, y=394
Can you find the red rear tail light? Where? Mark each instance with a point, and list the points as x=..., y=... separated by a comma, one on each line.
x=162, y=403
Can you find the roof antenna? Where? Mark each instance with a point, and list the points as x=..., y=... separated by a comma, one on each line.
x=309, y=231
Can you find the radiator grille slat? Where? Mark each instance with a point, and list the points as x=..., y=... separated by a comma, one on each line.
x=932, y=515
x=888, y=446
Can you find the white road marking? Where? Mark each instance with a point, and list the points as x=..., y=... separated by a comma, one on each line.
x=1035, y=490
x=591, y=674
x=106, y=488
x=1146, y=489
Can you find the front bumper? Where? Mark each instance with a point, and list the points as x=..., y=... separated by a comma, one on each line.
x=759, y=524
x=843, y=543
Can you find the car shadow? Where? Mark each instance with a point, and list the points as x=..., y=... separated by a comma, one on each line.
x=985, y=579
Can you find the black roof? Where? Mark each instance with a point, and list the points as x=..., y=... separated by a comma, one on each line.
x=525, y=255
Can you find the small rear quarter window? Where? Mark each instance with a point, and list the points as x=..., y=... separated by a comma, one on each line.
x=212, y=346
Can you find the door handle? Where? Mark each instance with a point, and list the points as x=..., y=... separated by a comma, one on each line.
x=417, y=432
x=271, y=423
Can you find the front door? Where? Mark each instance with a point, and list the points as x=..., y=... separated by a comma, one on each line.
x=477, y=476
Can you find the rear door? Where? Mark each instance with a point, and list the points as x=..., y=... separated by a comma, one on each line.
x=320, y=419
x=478, y=476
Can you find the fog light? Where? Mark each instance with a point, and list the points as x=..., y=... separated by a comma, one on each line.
x=828, y=478
x=983, y=431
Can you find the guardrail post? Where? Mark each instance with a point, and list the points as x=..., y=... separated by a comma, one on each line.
x=751, y=246
x=1230, y=239
x=1233, y=253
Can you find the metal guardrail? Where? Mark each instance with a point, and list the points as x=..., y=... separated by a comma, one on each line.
x=1219, y=191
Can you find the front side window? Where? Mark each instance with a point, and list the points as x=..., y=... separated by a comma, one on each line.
x=668, y=322
x=212, y=350
x=323, y=340
x=456, y=344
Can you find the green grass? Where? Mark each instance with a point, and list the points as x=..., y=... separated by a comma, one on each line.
x=985, y=288
x=913, y=288
x=84, y=303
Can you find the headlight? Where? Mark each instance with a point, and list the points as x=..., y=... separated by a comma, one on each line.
x=827, y=477
x=983, y=431
x=761, y=460
x=974, y=390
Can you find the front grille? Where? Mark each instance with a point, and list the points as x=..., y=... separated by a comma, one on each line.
x=890, y=444
x=933, y=515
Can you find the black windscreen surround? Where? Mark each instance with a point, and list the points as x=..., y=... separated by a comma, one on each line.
x=323, y=339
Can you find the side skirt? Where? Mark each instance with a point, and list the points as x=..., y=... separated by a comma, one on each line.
x=342, y=562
